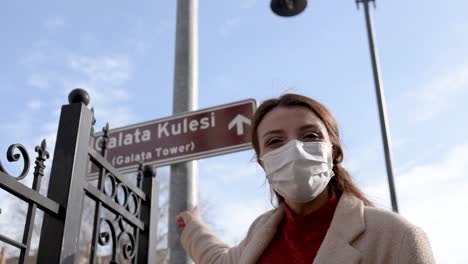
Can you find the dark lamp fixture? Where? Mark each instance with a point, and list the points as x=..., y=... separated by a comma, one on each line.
x=287, y=8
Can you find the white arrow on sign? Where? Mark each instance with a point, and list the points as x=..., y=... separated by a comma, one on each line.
x=238, y=121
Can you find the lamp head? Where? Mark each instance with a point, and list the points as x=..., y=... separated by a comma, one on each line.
x=287, y=8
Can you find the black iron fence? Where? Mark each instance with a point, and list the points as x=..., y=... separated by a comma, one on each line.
x=128, y=225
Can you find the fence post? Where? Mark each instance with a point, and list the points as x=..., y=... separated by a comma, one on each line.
x=149, y=214
x=60, y=234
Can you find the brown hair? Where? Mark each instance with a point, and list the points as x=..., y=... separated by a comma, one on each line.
x=342, y=181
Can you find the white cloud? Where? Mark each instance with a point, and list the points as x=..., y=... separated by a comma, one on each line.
x=280, y=86
x=120, y=94
x=228, y=25
x=108, y=108
x=34, y=104
x=234, y=218
x=38, y=81
x=439, y=94
x=245, y=4
x=114, y=70
x=434, y=197
x=141, y=46
x=34, y=58
x=228, y=172
x=360, y=158
x=164, y=25
x=240, y=184
x=51, y=23
x=104, y=78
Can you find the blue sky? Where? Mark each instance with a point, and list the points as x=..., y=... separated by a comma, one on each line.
x=123, y=54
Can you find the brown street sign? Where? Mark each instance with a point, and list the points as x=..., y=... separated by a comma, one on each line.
x=178, y=138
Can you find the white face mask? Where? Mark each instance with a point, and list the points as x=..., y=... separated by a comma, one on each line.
x=299, y=171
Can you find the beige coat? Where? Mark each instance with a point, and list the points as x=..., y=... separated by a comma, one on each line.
x=357, y=234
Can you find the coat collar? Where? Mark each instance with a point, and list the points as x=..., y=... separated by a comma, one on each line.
x=347, y=224
x=263, y=236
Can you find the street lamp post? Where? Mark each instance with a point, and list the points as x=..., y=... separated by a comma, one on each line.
x=184, y=176
x=380, y=101
x=293, y=7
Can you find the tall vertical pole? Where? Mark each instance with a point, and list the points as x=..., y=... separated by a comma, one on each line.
x=380, y=102
x=183, y=181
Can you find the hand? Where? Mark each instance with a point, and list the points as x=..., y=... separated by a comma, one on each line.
x=184, y=218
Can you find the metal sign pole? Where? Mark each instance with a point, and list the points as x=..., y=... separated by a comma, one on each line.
x=380, y=101
x=183, y=179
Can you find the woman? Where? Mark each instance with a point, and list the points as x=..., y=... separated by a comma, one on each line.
x=322, y=216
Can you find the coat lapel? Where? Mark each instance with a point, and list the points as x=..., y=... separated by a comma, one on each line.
x=347, y=224
x=261, y=239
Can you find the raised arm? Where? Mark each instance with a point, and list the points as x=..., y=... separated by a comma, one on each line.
x=203, y=246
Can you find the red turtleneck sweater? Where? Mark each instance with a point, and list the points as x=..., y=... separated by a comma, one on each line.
x=299, y=237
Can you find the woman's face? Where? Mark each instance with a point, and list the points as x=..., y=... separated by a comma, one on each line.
x=283, y=124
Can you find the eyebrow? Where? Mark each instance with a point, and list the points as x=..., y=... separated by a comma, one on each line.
x=311, y=126
x=305, y=127
x=277, y=131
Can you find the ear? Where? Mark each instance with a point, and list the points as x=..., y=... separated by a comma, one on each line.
x=337, y=154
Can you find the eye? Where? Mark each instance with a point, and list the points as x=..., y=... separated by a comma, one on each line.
x=273, y=141
x=313, y=136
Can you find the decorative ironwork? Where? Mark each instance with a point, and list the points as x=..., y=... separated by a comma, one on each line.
x=15, y=157
x=123, y=200
x=122, y=240
x=43, y=155
x=131, y=220
x=32, y=197
x=101, y=188
x=140, y=175
x=105, y=140
x=121, y=194
x=93, y=122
